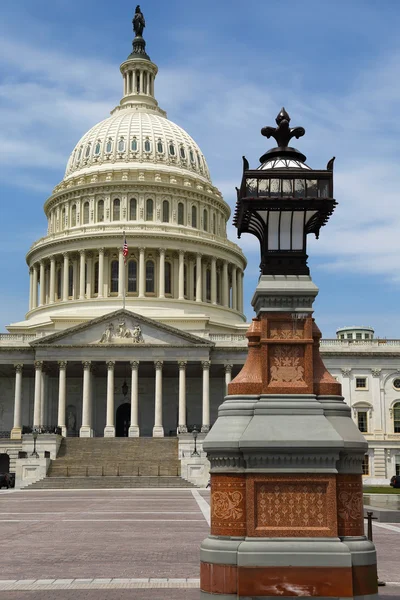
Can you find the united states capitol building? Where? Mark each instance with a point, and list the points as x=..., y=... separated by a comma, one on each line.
x=144, y=345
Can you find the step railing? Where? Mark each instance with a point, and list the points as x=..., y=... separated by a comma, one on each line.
x=141, y=470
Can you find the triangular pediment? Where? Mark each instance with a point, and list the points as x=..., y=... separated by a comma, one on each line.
x=122, y=328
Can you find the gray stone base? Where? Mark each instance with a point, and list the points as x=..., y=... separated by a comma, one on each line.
x=86, y=432
x=109, y=431
x=158, y=431
x=134, y=431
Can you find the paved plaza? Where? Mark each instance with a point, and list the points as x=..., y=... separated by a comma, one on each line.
x=139, y=544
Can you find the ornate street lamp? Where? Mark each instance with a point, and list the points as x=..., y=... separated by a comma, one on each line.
x=282, y=201
x=35, y=435
x=195, y=433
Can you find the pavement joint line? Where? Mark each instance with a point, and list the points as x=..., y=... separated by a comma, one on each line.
x=102, y=521
x=109, y=583
x=388, y=526
x=203, y=505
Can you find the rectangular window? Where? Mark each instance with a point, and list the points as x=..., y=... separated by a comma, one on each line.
x=365, y=465
x=367, y=336
x=342, y=336
x=361, y=383
x=358, y=336
x=349, y=336
x=362, y=421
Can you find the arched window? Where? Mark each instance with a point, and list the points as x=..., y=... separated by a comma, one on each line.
x=63, y=218
x=73, y=215
x=172, y=149
x=198, y=160
x=132, y=276
x=79, y=153
x=87, y=152
x=96, y=278
x=100, y=211
x=182, y=152
x=86, y=213
x=208, y=285
x=160, y=147
x=132, y=209
x=147, y=146
x=114, y=277
x=191, y=155
x=168, y=278
x=149, y=277
x=121, y=145
x=194, y=216
x=205, y=220
x=116, y=209
x=396, y=417
x=165, y=211
x=70, y=281
x=181, y=213
x=134, y=145
x=59, y=284
x=97, y=149
x=109, y=146
x=149, y=209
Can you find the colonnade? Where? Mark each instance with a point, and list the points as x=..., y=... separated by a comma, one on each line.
x=87, y=274
x=86, y=429
x=138, y=81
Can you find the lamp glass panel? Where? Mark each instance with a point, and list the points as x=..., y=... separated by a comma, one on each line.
x=298, y=230
x=299, y=188
x=273, y=230
x=251, y=187
x=275, y=188
x=285, y=229
x=323, y=188
x=287, y=187
x=312, y=188
x=263, y=187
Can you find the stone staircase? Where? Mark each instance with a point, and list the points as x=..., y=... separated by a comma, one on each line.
x=114, y=462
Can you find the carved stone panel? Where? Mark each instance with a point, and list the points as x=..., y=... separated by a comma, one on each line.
x=286, y=365
x=286, y=330
x=350, y=505
x=228, y=505
x=298, y=505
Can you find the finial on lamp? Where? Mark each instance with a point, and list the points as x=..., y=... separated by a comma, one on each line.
x=283, y=134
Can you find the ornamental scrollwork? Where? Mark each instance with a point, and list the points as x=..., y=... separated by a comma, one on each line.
x=226, y=505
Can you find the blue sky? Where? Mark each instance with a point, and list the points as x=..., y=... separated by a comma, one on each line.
x=225, y=70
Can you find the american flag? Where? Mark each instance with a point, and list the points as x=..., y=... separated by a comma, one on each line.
x=125, y=250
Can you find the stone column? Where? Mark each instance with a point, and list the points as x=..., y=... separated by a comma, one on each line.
x=181, y=275
x=86, y=428
x=134, y=427
x=16, y=432
x=82, y=275
x=35, y=286
x=199, y=278
x=204, y=281
x=120, y=272
x=142, y=273
x=30, y=287
x=240, y=290
x=42, y=284
x=182, y=428
x=161, y=283
x=346, y=372
x=62, y=396
x=213, y=280
x=52, y=279
x=225, y=284
x=228, y=376
x=206, y=396
x=89, y=271
x=43, y=398
x=75, y=292
x=158, y=430
x=65, y=276
x=109, y=430
x=38, y=390
x=234, y=288
x=141, y=82
x=101, y=273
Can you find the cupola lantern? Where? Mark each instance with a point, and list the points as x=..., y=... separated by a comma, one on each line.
x=282, y=201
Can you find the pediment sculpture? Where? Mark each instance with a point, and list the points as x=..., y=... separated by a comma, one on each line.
x=122, y=333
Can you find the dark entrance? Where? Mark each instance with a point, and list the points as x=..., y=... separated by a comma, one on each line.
x=123, y=420
x=4, y=463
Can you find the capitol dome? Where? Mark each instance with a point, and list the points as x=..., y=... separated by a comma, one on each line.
x=136, y=177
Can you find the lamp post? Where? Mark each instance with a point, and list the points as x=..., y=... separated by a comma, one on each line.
x=34, y=435
x=195, y=433
x=284, y=442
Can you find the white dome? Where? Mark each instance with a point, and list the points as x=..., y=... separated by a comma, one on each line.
x=131, y=138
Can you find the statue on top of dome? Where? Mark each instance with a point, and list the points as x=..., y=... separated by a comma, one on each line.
x=138, y=22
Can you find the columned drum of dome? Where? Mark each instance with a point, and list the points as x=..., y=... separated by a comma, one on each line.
x=136, y=172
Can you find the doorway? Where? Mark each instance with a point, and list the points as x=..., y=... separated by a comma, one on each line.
x=4, y=463
x=123, y=420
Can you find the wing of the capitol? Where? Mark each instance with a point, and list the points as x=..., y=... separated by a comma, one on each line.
x=139, y=341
